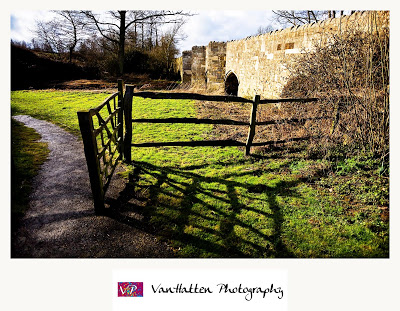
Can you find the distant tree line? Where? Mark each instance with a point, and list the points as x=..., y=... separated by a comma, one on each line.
x=115, y=42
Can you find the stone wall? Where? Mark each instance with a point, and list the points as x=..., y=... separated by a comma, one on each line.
x=186, y=71
x=260, y=63
x=183, y=66
x=215, y=66
x=199, y=66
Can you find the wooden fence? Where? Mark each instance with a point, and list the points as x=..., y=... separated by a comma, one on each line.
x=106, y=142
x=190, y=96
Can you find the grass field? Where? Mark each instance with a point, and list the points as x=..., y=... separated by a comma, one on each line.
x=27, y=154
x=215, y=202
x=57, y=107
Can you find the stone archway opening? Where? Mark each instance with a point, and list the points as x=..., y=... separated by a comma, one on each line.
x=231, y=84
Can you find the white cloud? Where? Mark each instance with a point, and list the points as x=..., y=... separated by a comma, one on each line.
x=222, y=26
x=23, y=23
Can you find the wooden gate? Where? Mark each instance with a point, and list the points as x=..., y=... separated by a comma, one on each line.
x=102, y=135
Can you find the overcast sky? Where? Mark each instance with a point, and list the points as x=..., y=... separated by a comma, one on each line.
x=199, y=29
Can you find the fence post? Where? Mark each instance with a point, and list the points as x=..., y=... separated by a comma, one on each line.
x=252, y=128
x=121, y=116
x=128, y=122
x=90, y=147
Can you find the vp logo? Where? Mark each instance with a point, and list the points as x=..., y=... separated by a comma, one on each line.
x=130, y=289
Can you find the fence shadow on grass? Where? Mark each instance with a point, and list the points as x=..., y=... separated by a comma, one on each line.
x=206, y=216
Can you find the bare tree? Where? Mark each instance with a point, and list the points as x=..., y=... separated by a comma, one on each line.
x=47, y=37
x=262, y=30
x=295, y=18
x=114, y=25
x=72, y=25
x=168, y=47
x=62, y=33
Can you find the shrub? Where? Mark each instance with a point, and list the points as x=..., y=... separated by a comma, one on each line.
x=350, y=75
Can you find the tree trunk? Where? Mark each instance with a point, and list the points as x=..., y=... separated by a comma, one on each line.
x=151, y=37
x=71, y=49
x=142, y=36
x=121, y=48
x=135, y=35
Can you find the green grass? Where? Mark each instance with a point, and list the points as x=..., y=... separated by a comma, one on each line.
x=59, y=107
x=215, y=202
x=27, y=156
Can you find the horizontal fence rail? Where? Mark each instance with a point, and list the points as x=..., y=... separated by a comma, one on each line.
x=193, y=96
x=287, y=100
x=197, y=143
x=218, y=98
x=191, y=121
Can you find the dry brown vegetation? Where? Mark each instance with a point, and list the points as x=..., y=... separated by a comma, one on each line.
x=351, y=77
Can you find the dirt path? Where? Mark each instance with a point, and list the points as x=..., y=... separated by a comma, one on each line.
x=61, y=221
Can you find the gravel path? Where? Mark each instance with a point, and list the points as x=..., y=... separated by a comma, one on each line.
x=61, y=221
